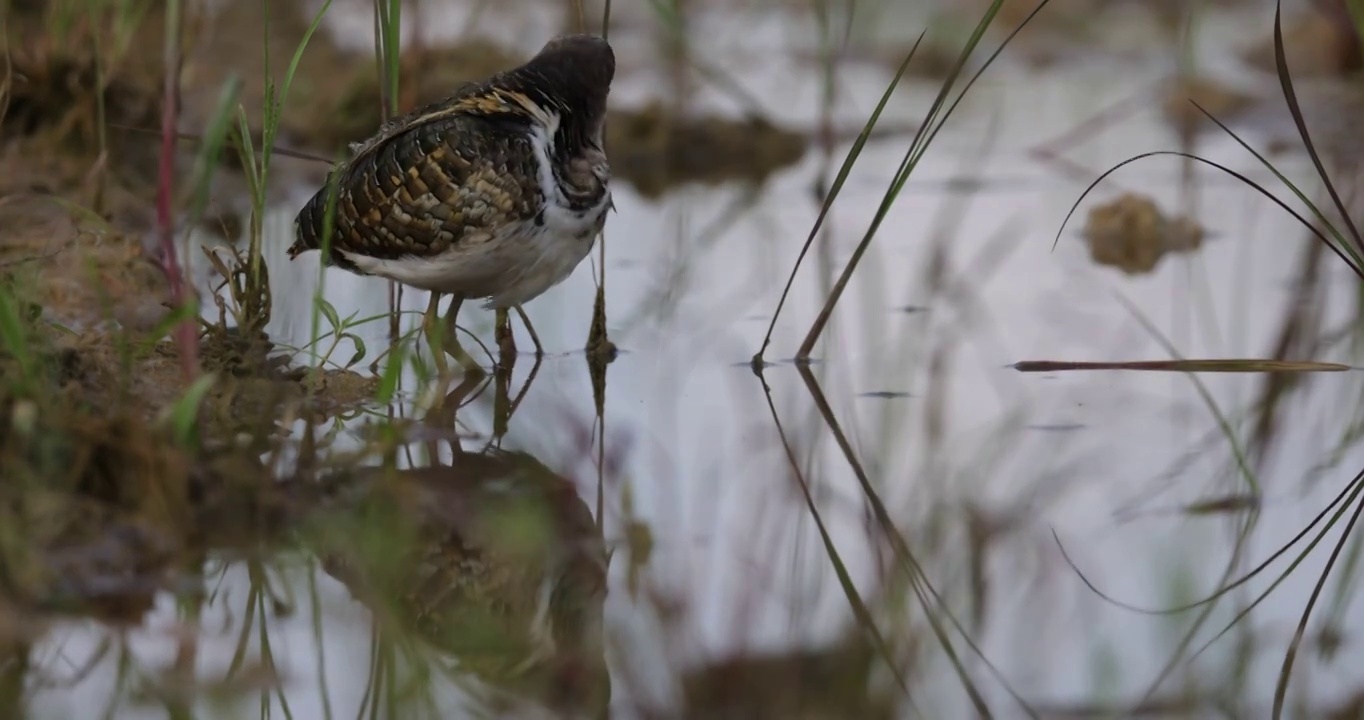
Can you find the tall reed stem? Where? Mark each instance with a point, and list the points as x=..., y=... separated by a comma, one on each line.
x=186, y=335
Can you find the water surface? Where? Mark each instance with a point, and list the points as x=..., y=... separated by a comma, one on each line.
x=977, y=465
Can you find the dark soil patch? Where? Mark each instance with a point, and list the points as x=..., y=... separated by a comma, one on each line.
x=53, y=92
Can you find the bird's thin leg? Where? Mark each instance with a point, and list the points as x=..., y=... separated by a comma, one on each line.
x=525, y=319
x=429, y=327
x=502, y=333
x=452, y=345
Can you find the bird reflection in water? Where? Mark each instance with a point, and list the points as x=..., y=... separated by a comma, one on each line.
x=490, y=567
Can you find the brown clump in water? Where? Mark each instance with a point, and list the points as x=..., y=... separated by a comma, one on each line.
x=655, y=149
x=1132, y=235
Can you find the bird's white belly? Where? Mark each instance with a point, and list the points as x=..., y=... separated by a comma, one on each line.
x=512, y=268
x=539, y=258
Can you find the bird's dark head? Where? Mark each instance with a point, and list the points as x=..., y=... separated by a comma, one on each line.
x=576, y=72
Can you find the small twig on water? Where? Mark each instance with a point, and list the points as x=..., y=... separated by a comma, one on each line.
x=1229, y=366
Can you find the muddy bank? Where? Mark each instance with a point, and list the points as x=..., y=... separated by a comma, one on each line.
x=76, y=202
x=105, y=468
x=97, y=299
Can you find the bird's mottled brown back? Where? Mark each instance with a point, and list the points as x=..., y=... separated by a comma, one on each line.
x=445, y=175
x=464, y=170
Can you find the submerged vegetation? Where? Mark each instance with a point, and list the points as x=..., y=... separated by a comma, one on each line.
x=196, y=432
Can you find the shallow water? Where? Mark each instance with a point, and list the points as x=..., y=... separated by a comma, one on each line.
x=951, y=438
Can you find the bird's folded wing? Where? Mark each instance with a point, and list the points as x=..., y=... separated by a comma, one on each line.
x=487, y=99
x=449, y=178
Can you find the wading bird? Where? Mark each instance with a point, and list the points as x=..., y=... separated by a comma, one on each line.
x=497, y=192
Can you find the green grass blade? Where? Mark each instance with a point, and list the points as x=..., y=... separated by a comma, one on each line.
x=1291, y=97
x=843, y=171
x=215, y=136
x=1335, y=232
x=298, y=53
x=388, y=382
x=14, y=338
x=181, y=418
x=246, y=151
x=917, y=147
x=986, y=65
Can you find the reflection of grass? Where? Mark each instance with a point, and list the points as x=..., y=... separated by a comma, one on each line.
x=913, y=575
x=1348, y=245
x=1344, y=242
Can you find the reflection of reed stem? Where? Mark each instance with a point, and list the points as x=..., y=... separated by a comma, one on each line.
x=315, y=609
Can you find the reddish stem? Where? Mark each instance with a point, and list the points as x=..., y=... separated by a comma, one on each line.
x=186, y=337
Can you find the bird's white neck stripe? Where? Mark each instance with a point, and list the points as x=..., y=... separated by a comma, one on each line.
x=542, y=142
